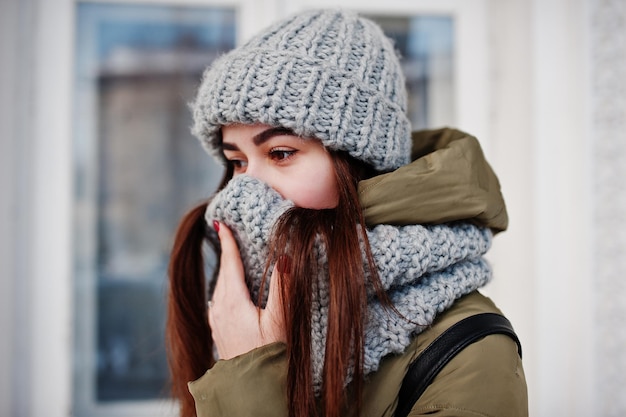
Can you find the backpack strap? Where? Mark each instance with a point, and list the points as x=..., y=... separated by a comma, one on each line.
x=427, y=365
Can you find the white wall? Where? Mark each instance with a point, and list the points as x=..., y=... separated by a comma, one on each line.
x=7, y=54
x=562, y=173
x=15, y=196
x=50, y=301
x=541, y=138
x=608, y=113
x=512, y=255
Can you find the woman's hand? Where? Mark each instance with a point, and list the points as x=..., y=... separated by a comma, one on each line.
x=235, y=323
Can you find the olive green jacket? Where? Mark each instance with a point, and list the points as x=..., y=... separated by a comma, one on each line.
x=449, y=179
x=486, y=379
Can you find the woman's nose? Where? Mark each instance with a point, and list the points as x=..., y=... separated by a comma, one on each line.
x=254, y=169
x=262, y=173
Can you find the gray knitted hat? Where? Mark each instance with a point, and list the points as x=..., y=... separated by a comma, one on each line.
x=331, y=75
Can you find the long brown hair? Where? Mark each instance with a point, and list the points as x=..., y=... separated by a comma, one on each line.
x=296, y=233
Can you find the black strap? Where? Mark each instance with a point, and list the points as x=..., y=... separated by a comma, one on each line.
x=427, y=365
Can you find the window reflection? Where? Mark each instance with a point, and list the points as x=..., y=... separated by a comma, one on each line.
x=137, y=171
x=425, y=44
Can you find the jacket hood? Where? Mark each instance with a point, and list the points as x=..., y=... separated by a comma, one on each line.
x=448, y=180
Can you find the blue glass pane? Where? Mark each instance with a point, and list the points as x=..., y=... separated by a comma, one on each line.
x=137, y=170
x=426, y=47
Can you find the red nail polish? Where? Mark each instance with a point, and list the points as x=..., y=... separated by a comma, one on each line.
x=216, y=225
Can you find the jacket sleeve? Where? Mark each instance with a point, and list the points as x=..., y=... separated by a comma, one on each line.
x=252, y=384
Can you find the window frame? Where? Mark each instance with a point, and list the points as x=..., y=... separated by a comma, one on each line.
x=87, y=289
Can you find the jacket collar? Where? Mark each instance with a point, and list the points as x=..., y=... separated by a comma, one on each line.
x=448, y=180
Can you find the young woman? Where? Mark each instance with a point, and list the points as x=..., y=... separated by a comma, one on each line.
x=340, y=260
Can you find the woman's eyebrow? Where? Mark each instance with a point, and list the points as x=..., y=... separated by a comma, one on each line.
x=229, y=147
x=261, y=137
x=265, y=135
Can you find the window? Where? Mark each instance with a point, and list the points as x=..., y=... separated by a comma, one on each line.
x=137, y=170
x=425, y=44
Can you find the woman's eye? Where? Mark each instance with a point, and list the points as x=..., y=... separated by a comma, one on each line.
x=281, y=154
x=238, y=164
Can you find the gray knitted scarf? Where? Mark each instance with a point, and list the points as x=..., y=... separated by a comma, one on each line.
x=424, y=269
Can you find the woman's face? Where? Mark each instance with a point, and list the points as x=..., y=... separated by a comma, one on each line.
x=301, y=170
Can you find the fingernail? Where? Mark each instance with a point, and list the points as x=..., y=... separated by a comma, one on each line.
x=283, y=264
x=216, y=225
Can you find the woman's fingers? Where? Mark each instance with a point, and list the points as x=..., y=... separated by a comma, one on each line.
x=231, y=267
x=230, y=303
x=272, y=316
x=274, y=296
x=237, y=325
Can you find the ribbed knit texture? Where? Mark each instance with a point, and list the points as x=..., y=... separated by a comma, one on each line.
x=330, y=75
x=424, y=269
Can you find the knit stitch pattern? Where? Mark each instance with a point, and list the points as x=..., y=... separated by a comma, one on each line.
x=424, y=269
x=329, y=75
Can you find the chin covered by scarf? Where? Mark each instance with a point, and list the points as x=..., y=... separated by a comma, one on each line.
x=423, y=269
